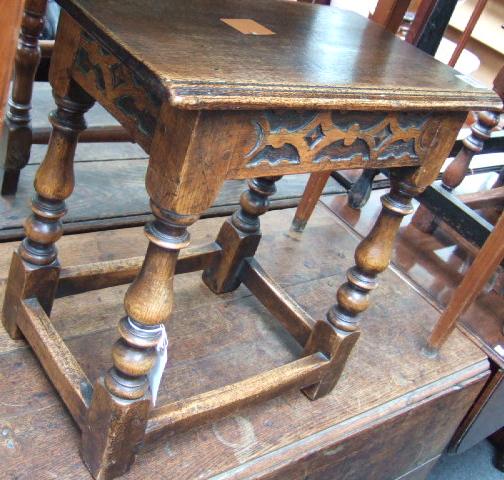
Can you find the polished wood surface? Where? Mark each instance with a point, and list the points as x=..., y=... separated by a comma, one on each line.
x=318, y=57
x=389, y=401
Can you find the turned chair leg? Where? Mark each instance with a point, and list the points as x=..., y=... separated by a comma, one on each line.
x=35, y=268
x=311, y=196
x=239, y=236
x=338, y=335
x=121, y=400
x=17, y=136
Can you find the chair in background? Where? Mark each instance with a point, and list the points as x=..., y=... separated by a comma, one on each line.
x=486, y=262
x=439, y=203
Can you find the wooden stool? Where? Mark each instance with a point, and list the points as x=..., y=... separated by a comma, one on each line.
x=213, y=93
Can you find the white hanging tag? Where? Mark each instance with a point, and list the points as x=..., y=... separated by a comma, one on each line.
x=157, y=370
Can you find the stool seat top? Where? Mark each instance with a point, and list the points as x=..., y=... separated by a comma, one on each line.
x=316, y=57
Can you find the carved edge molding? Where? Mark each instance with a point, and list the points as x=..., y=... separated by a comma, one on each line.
x=117, y=87
x=288, y=137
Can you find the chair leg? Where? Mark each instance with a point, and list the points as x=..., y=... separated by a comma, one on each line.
x=488, y=259
x=311, y=196
x=17, y=135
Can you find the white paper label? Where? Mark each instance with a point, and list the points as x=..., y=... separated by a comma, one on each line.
x=157, y=370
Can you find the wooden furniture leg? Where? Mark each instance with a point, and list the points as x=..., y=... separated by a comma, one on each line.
x=17, y=130
x=372, y=257
x=9, y=30
x=311, y=195
x=120, y=406
x=239, y=236
x=466, y=34
x=422, y=15
x=390, y=13
x=35, y=268
x=359, y=194
x=484, y=265
x=121, y=402
x=423, y=219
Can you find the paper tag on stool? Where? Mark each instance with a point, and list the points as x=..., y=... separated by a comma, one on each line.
x=157, y=370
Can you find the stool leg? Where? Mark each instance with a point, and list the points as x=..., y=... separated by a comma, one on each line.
x=372, y=257
x=17, y=130
x=121, y=400
x=35, y=268
x=239, y=236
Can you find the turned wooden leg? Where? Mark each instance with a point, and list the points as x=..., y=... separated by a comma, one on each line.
x=337, y=336
x=456, y=171
x=311, y=196
x=239, y=236
x=121, y=400
x=35, y=268
x=360, y=192
x=17, y=138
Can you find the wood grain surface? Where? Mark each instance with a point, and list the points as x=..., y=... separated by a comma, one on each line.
x=314, y=60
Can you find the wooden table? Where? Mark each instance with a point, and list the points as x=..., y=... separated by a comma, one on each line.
x=211, y=97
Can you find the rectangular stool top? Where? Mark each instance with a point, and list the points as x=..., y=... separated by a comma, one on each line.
x=315, y=57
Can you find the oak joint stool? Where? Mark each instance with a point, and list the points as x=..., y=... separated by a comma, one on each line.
x=322, y=89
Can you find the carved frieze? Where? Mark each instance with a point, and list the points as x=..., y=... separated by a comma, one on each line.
x=117, y=87
x=289, y=137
